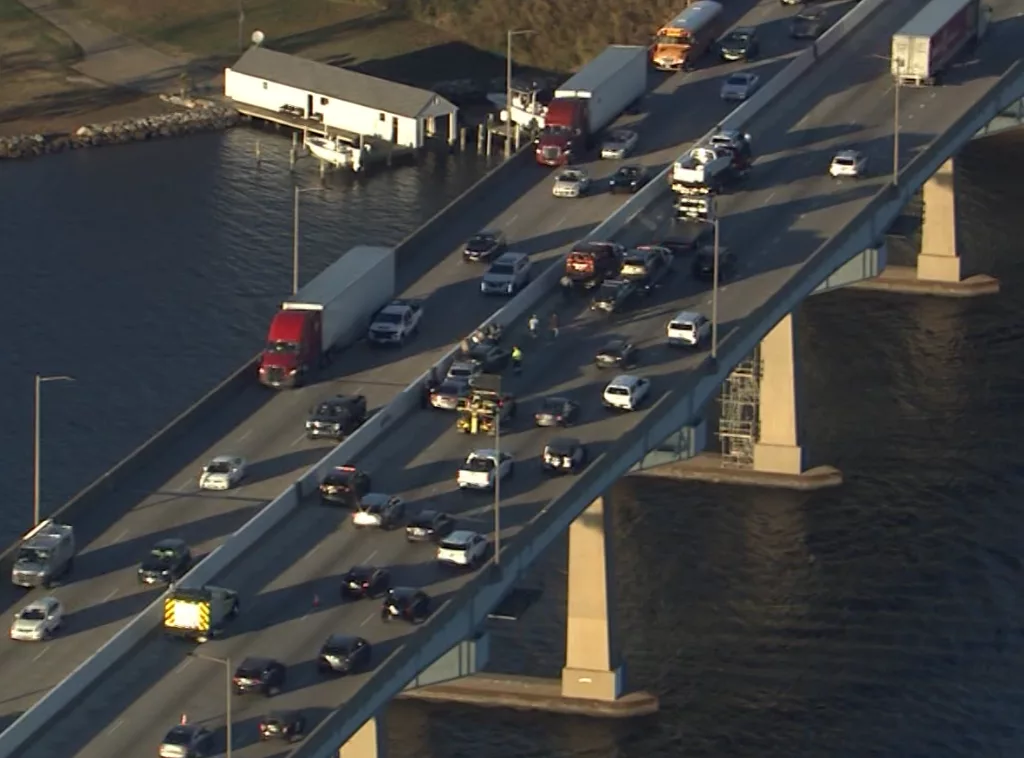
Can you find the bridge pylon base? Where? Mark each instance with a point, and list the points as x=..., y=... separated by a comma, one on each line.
x=586, y=684
x=370, y=741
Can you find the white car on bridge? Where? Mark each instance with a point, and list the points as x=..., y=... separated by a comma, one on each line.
x=848, y=163
x=626, y=392
x=688, y=329
x=222, y=473
x=483, y=468
x=572, y=182
x=463, y=548
x=38, y=620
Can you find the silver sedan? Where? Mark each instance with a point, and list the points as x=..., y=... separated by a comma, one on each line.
x=572, y=182
x=740, y=86
x=619, y=144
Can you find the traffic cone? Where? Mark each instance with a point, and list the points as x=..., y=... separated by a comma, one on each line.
x=184, y=719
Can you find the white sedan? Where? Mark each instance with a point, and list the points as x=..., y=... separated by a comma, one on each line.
x=38, y=620
x=463, y=548
x=222, y=473
x=626, y=392
x=478, y=472
x=849, y=163
x=572, y=182
x=620, y=144
x=740, y=86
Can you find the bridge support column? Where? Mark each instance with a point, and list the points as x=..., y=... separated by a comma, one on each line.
x=778, y=450
x=593, y=670
x=369, y=742
x=939, y=260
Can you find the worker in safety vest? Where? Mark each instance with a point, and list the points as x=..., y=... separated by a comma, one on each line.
x=517, y=359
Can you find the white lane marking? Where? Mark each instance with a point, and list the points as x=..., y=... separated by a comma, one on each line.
x=558, y=224
x=297, y=440
x=109, y=595
x=244, y=435
x=315, y=548
x=367, y=620
x=768, y=199
x=184, y=485
x=41, y=653
x=370, y=557
x=116, y=726
x=511, y=221
x=183, y=666
x=121, y=536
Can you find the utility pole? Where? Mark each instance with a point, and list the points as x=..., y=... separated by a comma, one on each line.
x=714, y=282
x=37, y=442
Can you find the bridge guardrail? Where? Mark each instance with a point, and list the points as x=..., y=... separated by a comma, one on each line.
x=150, y=619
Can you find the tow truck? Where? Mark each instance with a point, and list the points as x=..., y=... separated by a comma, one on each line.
x=199, y=614
x=708, y=169
x=485, y=403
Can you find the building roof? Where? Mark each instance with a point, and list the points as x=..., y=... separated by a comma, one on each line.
x=341, y=84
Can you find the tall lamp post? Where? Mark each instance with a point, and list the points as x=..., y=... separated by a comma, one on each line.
x=508, y=86
x=899, y=66
x=295, y=235
x=497, y=480
x=241, y=26
x=36, y=434
x=714, y=279
x=226, y=663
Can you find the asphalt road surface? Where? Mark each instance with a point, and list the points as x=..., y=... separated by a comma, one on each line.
x=267, y=427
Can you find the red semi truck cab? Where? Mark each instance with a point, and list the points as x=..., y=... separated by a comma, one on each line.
x=292, y=350
x=566, y=132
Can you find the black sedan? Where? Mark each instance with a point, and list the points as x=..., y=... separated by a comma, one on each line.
x=807, y=25
x=564, y=455
x=704, y=265
x=365, y=581
x=491, y=357
x=628, y=179
x=613, y=295
x=484, y=246
x=556, y=411
x=263, y=675
x=282, y=725
x=740, y=44
x=406, y=603
x=344, y=485
x=344, y=654
x=429, y=526
x=168, y=561
x=617, y=353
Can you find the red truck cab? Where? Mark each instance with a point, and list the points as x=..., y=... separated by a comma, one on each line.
x=292, y=350
x=566, y=132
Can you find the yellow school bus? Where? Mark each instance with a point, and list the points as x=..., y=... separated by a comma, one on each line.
x=689, y=35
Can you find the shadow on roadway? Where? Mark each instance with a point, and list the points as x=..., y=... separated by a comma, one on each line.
x=289, y=463
x=101, y=614
x=130, y=552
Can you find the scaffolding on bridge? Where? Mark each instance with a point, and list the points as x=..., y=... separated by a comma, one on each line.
x=738, y=421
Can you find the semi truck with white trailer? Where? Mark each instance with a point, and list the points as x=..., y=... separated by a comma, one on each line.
x=591, y=100
x=932, y=39
x=327, y=315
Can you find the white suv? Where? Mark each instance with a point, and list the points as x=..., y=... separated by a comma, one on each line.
x=851, y=163
x=463, y=548
x=626, y=392
x=688, y=329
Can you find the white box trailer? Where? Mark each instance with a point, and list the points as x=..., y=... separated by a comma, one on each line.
x=611, y=82
x=934, y=37
x=347, y=294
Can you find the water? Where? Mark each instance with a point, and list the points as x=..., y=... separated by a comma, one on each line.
x=879, y=619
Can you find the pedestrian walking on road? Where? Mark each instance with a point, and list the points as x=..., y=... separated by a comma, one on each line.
x=517, y=360
x=553, y=323
x=534, y=326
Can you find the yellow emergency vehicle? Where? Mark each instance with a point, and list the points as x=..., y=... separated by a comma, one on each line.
x=485, y=402
x=199, y=614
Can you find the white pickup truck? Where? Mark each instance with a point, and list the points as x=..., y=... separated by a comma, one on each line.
x=396, y=322
x=706, y=169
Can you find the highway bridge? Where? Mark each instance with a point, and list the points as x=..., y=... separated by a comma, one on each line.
x=780, y=225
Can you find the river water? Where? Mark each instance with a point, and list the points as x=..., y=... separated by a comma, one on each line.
x=880, y=619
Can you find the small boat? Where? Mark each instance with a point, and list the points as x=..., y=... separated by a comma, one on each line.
x=528, y=109
x=335, y=151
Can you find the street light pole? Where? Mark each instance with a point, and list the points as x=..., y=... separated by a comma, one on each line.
x=508, y=86
x=714, y=284
x=226, y=663
x=36, y=435
x=896, y=132
x=295, y=235
x=497, y=482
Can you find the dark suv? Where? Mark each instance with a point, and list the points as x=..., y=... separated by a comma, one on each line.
x=344, y=485
x=336, y=418
x=259, y=675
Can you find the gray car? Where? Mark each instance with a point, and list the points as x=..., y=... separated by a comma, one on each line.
x=507, y=275
x=740, y=86
x=572, y=182
x=620, y=144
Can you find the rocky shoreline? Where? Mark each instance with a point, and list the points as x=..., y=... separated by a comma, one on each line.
x=195, y=116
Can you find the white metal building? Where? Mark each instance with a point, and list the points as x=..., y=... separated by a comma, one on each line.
x=339, y=98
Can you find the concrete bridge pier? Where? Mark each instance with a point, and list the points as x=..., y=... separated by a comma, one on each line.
x=939, y=269
x=759, y=425
x=593, y=669
x=369, y=742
